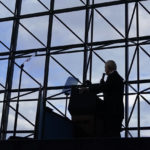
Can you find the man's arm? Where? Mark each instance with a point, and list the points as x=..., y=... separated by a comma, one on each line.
x=102, y=86
x=95, y=88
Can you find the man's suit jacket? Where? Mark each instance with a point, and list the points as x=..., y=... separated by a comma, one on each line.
x=113, y=90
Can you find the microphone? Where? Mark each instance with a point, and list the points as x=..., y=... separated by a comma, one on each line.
x=102, y=79
x=103, y=76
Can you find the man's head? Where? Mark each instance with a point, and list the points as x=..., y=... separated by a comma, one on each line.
x=110, y=66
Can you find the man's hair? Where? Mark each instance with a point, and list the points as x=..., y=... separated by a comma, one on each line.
x=111, y=65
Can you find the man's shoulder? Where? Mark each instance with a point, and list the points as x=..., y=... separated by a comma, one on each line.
x=116, y=75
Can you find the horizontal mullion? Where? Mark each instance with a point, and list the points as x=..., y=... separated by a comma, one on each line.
x=62, y=87
x=68, y=47
x=18, y=131
x=65, y=10
x=136, y=128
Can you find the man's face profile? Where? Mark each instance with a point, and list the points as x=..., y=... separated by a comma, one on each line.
x=107, y=69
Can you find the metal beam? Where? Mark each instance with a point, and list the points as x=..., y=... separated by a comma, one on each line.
x=7, y=96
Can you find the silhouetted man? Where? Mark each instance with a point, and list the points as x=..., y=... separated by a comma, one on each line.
x=113, y=90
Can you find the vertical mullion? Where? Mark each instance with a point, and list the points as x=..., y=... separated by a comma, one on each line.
x=17, y=105
x=47, y=60
x=126, y=68
x=92, y=28
x=10, y=70
x=138, y=67
x=86, y=42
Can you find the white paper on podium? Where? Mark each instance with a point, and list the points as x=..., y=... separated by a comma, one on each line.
x=69, y=82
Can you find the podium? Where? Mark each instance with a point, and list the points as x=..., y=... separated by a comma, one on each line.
x=87, y=113
x=53, y=126
x=56, y=126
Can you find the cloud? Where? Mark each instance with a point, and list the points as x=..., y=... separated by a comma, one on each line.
x=67, y=4
x=9, y=4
